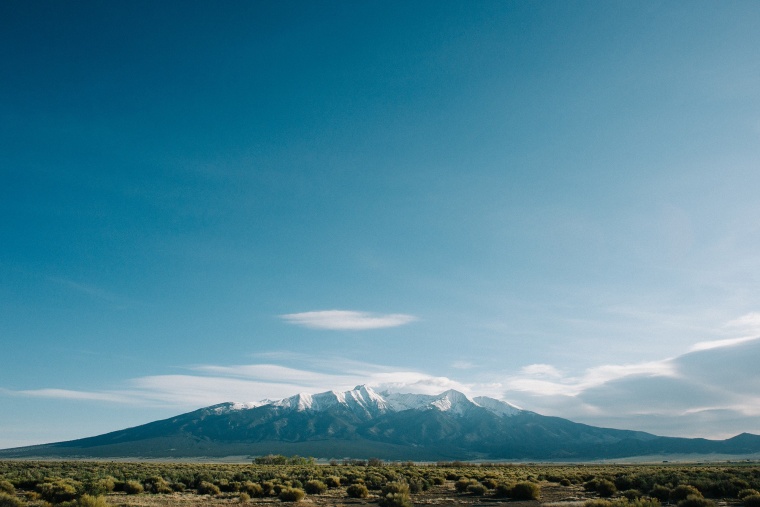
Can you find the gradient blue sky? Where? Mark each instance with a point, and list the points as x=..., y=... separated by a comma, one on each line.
x=553, y=203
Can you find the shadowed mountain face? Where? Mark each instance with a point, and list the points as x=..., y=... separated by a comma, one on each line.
x=362, y=423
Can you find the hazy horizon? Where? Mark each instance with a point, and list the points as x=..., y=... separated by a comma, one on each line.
x=548, y=203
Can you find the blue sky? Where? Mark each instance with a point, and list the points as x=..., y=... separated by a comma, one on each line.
x=553, y=203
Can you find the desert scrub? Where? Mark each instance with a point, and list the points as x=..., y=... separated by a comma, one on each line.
x=682, y=492
x=605, y=488
x=741, y=495
x=289, y=494
x=526, y=491
x=7, y=487
x=357, y=491
x=61, y=490
x=91, y=501
x=133, y=488
x=315, y=487
x=332, y=481
x=477, y=489
x=395, y=494
x=696, y=501
x=751, y=500
x=462, y=484
x=208, y=488
x=660, y=492
x=7, y=500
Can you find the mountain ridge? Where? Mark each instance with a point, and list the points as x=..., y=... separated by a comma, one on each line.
x=361, y=423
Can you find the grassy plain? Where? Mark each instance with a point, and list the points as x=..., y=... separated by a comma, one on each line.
x=134, y=484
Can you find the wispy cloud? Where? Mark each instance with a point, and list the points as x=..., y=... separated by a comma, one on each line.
x=347, y=320
x=709, y=391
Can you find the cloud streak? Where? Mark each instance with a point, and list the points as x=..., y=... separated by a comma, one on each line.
x=344, y=320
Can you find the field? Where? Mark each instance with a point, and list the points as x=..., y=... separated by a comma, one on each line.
x=373, y=483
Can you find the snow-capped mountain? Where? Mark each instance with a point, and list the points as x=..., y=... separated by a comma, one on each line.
x=361, y=423
x=364, y=401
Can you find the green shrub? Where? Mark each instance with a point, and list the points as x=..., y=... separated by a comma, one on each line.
x=477, y=489
x=503, y=490
x=357, y=491
x=746, y=492
x=252, y=489
x=489, y=482
x=565, y=482
x=682, y=492
x=597, y=503
x=91, y=501
x=133, y=488
x=462, y=484
x=526, y=491
x=696, y=501
x=267, y=488
x=208, y=488
x=605, y=488
x=660, y=492
x=58, y=491
x=289, y=494
x=395, y=494
x=7, y=487
x=644, y=502
x=315, y=487
x=244, y=497
x=631, y=494
x=751, y=501
x=7, y=500
x=332, y=481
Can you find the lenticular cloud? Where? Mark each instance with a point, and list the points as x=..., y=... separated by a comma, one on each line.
x=347, y=320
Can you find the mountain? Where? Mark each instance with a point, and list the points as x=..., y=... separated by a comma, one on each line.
x=362, y=423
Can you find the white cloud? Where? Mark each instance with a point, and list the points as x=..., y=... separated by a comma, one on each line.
x=347, y=320
x=710, y=391
x=749, y=322
x=715, y=344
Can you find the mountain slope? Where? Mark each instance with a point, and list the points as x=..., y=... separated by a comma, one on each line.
x=361, y=423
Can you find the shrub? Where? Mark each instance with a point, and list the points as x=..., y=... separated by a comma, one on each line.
x=631, y=494
x=244, y=497
x=332, y=481
x=526, y=491
x=751, y=501
x=565, y=482
x=58, y=491
x=503, y=490
x=289, y=494
x=477, y=489
x=605, y=488
x=644, y=502
x=683, y=491
x=133, y=488
x=489, y=482
x=315, y=487
x=91, y=501
x=357, y=491
x=7, y=500
x=660, y=492
x=696, y=501
x=7, y=487
x=746, y=492
x=252, y=489
x=100, y=486
x=462, y=484
x=395, y=494
x=207, y=488
x=597, y=503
